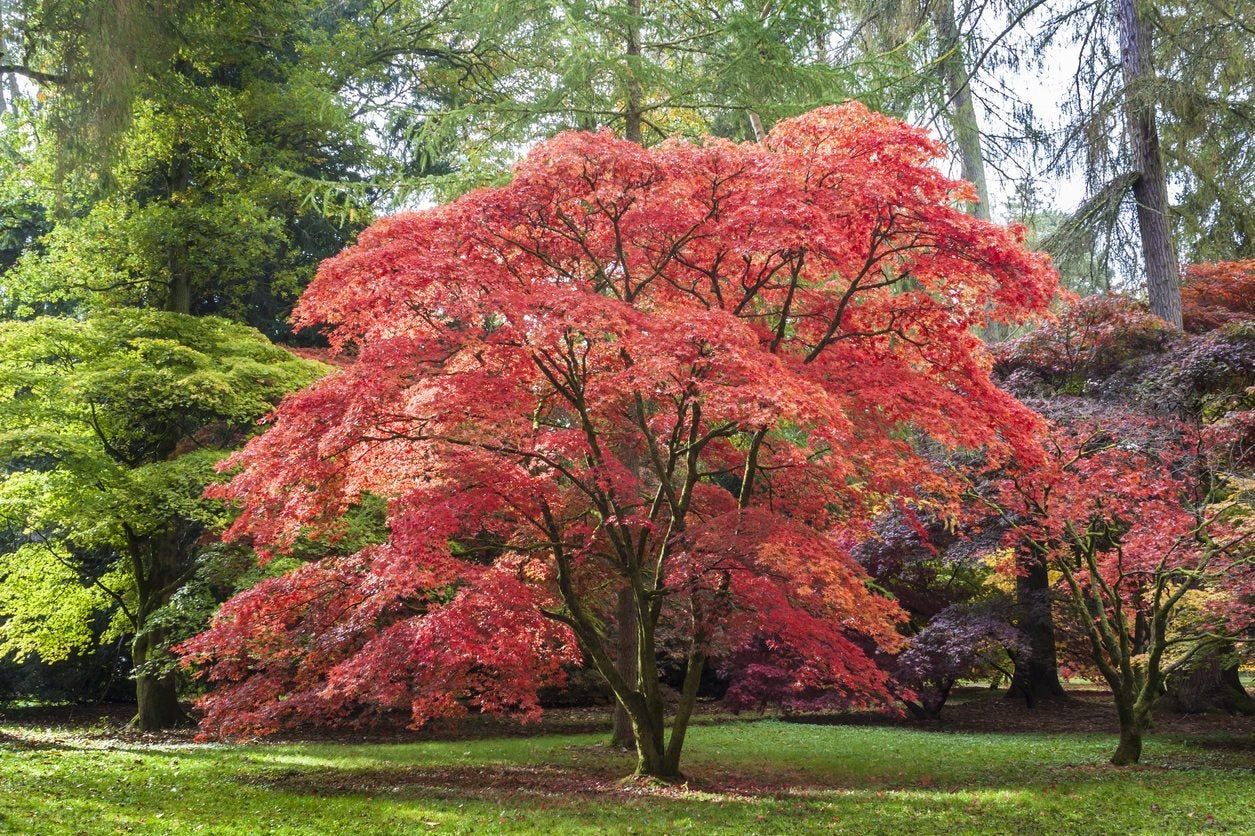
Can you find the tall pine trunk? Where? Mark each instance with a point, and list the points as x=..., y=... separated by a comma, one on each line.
x=961, y=108
x=1150, y=189
x=964, y=123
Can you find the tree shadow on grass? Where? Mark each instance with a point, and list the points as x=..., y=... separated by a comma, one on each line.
x=578, y=786
x=603, y=782
x=1060, y=798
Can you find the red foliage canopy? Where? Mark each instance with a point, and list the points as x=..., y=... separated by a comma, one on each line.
x=1094, y=336
x=692, y=371
x=1125, y=509
x=1218, y=292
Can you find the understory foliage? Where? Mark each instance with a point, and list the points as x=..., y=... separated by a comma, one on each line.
x=1093, y=337
x=961, y=641
x=1216, y=293
x=693, y=373
x=959, y=613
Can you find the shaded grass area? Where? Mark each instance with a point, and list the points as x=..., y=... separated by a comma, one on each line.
x=763, y=776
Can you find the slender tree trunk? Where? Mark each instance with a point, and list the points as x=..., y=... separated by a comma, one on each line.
x=1150, y=190
x=1037, y=671
x=624, y=736
x=10, y=81
x=961, y=108
x=179, y=295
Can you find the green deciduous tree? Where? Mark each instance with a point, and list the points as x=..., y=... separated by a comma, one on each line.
x=110, y=429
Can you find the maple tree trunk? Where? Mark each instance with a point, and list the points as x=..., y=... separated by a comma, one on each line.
x=156, y=696
x=1150, y=190
x=623, y=737
x=1134, y=720
x=1129, y=751
x=648, y=718
x=657, y=757
x=1037, y=671
x=962, y=108
x=652, y=758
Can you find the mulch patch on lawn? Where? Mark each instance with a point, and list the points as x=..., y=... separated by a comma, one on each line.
x=498, y=782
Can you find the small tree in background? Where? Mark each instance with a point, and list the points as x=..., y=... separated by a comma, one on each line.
x=1156, y=561
x=692, y=372
x=959, y=642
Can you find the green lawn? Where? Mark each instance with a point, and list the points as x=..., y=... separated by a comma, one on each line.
x=747, y=777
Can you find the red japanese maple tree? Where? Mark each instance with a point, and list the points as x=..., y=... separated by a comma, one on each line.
x=691, y=372
x=1152, y=549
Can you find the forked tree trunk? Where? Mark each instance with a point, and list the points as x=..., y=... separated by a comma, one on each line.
x=1150, y=190
x=652, y=759
x=657, y=756
x=1134, y=720
x=1036, y=674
